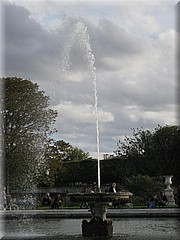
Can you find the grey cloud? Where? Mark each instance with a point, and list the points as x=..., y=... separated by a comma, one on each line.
x=28, y=47
x=115, y=41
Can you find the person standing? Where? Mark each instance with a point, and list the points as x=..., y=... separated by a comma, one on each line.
x=113, y=188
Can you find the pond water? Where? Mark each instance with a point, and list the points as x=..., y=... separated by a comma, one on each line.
x=70, y=229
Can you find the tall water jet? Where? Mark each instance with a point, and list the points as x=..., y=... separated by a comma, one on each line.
x=80, y=37
x=98, y=226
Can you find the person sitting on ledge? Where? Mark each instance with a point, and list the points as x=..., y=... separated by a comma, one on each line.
x=46, y=200
x=152, y=203
x=57, y=202
x=162, y=200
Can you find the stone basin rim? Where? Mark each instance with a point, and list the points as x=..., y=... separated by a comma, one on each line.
x=102, y=194
x=100, y=197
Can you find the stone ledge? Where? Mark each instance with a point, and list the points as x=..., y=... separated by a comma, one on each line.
x=85, y=213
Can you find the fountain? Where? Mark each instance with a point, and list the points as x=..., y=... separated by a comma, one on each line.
x=99, y=202
x=80, y=35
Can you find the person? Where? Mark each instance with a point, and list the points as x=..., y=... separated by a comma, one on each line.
x=152, y=202
x=162, y=199
x=84, y=204
x=113, y=188
x=47, y=200
x=4, y=198
x=94, y=190
x=178, y=195
x=85, y=190
x=57, y=202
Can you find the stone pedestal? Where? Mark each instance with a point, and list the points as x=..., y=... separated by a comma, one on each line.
x=169, y=191
x=98, y=226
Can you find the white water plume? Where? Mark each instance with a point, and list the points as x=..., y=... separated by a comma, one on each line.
x=80, y=38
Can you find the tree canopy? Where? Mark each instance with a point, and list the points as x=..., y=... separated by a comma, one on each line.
x=57, y=168
x=27, y=125
x=153, y=153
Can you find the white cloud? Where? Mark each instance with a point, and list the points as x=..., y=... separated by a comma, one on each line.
x=160, y=116
x=82, y=113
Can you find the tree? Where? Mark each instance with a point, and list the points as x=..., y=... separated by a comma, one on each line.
x=138, y=151
x=113, y=170
x=62, y=164
x=153, y=153
x=78, y=171
x=79, y=166
x=166, y=150
x=27, y=125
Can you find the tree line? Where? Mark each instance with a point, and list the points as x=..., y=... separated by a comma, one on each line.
x=33, y=158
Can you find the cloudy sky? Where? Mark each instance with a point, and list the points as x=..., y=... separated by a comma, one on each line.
x=129, y=46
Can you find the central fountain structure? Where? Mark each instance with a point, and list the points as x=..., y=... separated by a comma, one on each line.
x=99, y=225
x=99, y=202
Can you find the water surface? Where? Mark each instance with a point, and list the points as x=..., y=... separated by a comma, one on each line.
x=70, y=229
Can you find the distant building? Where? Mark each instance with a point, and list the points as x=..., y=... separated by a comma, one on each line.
x=105, y=156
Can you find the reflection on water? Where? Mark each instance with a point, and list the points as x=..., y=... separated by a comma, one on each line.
x=70, y=229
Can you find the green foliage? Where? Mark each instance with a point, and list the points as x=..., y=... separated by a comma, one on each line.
x=113, y=170
x=166, y=149
x=144, y=186
x=79, y=171
x=76, y=154
x=153, y=153
x=27, y=121
x=62, y=164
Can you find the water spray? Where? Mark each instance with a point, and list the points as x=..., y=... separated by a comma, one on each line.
x=81, y=36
